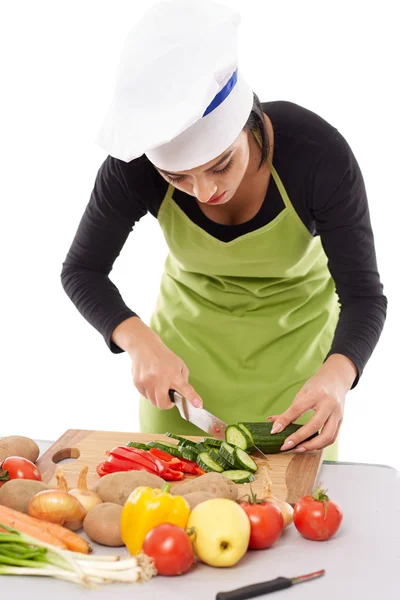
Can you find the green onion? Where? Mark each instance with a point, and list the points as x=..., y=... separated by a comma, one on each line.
x=21, y=554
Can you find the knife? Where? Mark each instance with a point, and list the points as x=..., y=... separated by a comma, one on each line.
x=205, y=420
x=266, y=587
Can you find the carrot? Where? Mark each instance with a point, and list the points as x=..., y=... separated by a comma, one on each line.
x=32, y=530
x=65, y=537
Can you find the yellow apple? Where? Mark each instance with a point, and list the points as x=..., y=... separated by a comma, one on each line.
x=221, y=532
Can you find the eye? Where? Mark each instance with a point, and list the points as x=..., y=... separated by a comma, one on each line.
x=215, y=172
x=225, y=169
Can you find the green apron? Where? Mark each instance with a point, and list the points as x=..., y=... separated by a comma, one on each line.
x=253, y=319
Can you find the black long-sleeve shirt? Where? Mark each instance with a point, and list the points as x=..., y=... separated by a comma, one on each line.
x=325, y=185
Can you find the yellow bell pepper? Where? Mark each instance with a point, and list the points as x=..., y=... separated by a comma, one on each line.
x=146, y=508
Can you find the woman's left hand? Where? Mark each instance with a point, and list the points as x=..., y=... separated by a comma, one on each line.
x=324, y=393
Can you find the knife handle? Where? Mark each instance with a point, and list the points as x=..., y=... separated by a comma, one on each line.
x=171, y=395
x=257, y=589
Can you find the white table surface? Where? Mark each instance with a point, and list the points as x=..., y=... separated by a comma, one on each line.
x=362, y=561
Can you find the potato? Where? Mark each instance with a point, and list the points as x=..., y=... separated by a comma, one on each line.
x=17, y=493
x=195, y=498
x=116, y=487
x=214, y=483
x=102, y=524
x=17, y=445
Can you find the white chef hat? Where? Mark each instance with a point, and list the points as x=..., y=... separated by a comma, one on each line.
x=179, y=96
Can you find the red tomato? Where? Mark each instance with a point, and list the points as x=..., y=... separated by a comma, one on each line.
x=317, y=517
x=171, y=549
x=266, y=521
x=15, y=467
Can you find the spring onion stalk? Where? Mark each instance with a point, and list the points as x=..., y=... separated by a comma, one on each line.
x=21, y=554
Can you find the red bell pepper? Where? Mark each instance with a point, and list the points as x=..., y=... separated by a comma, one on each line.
x=124, y=458
x=172, y=475
x=179, y=464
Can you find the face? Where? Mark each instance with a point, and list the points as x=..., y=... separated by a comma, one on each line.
x=216, y=182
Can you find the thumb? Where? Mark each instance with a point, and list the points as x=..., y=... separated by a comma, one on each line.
x=191, y=395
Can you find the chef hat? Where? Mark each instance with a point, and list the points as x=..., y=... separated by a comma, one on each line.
x=179, y=96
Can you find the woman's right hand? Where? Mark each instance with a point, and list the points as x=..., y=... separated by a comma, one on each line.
x=155, y=368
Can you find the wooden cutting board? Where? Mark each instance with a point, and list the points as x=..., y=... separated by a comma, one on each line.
x=290, y=475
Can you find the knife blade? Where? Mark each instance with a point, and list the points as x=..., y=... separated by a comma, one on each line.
x=205, y=420
x=199, y=416
x=266, y=587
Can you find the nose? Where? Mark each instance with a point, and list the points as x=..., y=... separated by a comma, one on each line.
x=204, y=190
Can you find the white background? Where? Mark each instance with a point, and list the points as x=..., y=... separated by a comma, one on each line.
x=58, y=62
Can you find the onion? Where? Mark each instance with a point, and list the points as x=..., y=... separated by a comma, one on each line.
x=86, y=497
x=56, y=506
x=286, y=509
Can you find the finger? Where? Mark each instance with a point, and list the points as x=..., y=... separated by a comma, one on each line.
x=313, y=425
x=327, y=436
x=272, y=418
x=190, y=394
x=185, y=372
x=298, y=408
x=150, y=395
x=163, y=400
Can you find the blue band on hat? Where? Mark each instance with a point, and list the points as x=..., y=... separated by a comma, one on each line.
x=222, y=94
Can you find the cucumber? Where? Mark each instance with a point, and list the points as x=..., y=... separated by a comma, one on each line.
x=208, y=464
x=212, y=442
x=188, y=453
x=228, y=453
x=202, y=447
x=271, y=443
x=247, y=432
x=165, y=447
x=138, y=445
x=182, y=441
x=245, y=461
x=237, y=437
x=239, y=476
x=219, y=459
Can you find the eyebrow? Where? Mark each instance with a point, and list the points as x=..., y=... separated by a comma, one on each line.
x=221, y=160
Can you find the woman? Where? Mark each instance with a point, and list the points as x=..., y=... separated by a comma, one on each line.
x=271, y=302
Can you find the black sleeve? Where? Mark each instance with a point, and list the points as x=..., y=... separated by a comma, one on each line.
x=340, y=210
x=110, y=215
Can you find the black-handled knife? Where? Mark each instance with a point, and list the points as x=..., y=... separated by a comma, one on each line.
x=266, y=587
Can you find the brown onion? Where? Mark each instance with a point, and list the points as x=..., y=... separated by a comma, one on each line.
x=86, y=497
x=286, y=509
x=56, y=506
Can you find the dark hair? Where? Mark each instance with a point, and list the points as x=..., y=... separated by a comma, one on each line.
x=256, y=124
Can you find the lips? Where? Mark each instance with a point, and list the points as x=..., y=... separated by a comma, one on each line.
x=216, y=199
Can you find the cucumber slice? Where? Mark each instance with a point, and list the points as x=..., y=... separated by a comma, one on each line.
x=228, y=453
x=245, y=461
x=237, y=437
x=208, y=464
x=138, y=445
x=165, y=447
x=188, y=453
x=202, y=447
x=214, y=443
x=182, y=441
x=239, y=476
x=247, y=431
x=220, y=460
